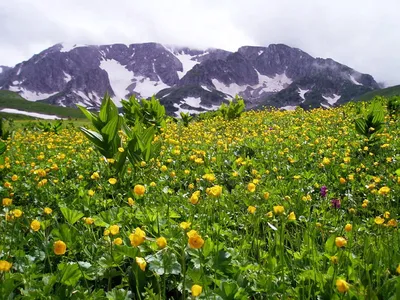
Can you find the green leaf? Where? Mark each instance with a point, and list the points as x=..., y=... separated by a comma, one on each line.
x=71, y=215
x=208, y=247
x=3, y=147
x=330, y=244
x=70, y=273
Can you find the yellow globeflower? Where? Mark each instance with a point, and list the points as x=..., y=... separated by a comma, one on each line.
x=59, y=248
x=196, y=290
x=95, y=176
x=379, y=220
x=17, y=213
x=292, y=216
x=114, y=229
x=251, y=187
x=138, y=237
x=118, y=241
x=348, y=227
x=398, y=269
x=185, y=225
x=7, y=201
x=14, y=178
x=342, y=286
x=195, y=240
x=89, y=221
x=5, y=266
x=342, y=180
x=47, y=210
x=278, y=210
x=334, y=259
x=266, y=195
x=384, y=190
x=91, y=193
x=139, y=190
x=251, y=209
x=112, y=181
x=194, y=199
x=340, y=242
x=215, y=191
x=141, y=263
x=131, y=202
x=161, y=242
x=35, y=225
x=326, y=161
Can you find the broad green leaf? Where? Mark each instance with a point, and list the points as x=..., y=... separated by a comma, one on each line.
x=71, y=215
x=70, y=273
x=3, y=147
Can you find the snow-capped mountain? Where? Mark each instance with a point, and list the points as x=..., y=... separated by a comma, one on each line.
x=184, y=79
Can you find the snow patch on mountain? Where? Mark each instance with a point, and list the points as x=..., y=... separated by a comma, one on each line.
x=146, y=88
x=302, y=93
x=184, y=110
x=273, y=84
x=331, y=100
x=66, y=47
x=1, y=70
x=205, y=88
x=187, y=63
x=231, y=89
x=27, y=113
x=120, y=78
x=29, y=95
x=353, y=80
x=67, y=77
x=289, y=107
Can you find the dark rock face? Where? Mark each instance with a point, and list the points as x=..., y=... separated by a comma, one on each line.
x=184, y=79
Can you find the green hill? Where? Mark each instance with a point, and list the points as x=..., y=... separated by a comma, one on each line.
x=13, y=100
x=386, y=92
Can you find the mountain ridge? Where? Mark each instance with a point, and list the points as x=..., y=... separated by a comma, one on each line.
x=184, y=79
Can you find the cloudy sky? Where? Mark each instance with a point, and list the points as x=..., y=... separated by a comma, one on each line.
x=362, y=34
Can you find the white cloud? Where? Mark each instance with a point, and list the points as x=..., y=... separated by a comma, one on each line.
x=361, y=34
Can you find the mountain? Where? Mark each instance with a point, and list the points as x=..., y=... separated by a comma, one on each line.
x=386, y=92
x=184, y=79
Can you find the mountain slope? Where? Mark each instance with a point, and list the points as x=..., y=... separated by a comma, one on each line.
x=13, y=101
x=278, y=75
x=386, y=92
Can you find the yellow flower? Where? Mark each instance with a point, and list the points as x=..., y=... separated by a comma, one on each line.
x=35, y=225
x=106, y=232
x=326, y=161
x=209, y=177
x=120, y=149
x=118, y=241
x=251, y=209
x=164, y=168
x=292, y=216
x=342, y=180
x=17, y=213
x=342, y=286
x=392, y=223
x=384, y=190
x=89, y=221
x=59, y=248
x=296, y=177
x=195, y=240
x=194, y=199
x=379, y=220
x=334, y=259
x=340, y=242
x=278, y=210
x=161, y=242
x=270, y=214
x=7, y=201
x=139, y=190
x=141, y=263
x=185, y=225
x=251, y=187
x=112, y=181
x=91, y=193
x=47, y=210
x=398, y=269
x=95, y=176
x=114, y=229
x=143, y=164
x=153, y=184
x=352, y=210
x=131, y=202
x=215, y=191
x=196, y=290
x=348, y=227
x=14, y=178
x=138, y=237
x=386, y=215
x=5, y=266
x=266, y=195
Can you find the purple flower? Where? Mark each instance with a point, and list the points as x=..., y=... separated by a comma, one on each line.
x=323, y=191
x=335, y=203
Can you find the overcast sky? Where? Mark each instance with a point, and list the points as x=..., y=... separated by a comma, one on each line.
x=363, y=34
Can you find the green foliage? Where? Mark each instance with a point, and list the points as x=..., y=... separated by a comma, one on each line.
x=147, y=112
x=393, y=105
x=50, y=127
x=370, y=123
x=186, y=118
x=4, y=131
x=233, y=110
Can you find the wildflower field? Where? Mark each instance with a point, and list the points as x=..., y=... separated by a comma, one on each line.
x=269, y=205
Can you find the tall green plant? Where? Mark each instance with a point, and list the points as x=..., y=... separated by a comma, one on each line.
x=4, y=131
x=148, y=112
x=393, y=105
x=372, y=122
x=186, y=118
x=234, y=109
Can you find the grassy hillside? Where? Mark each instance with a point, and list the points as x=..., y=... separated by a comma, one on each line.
x=387, y=92
x=13, y=100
